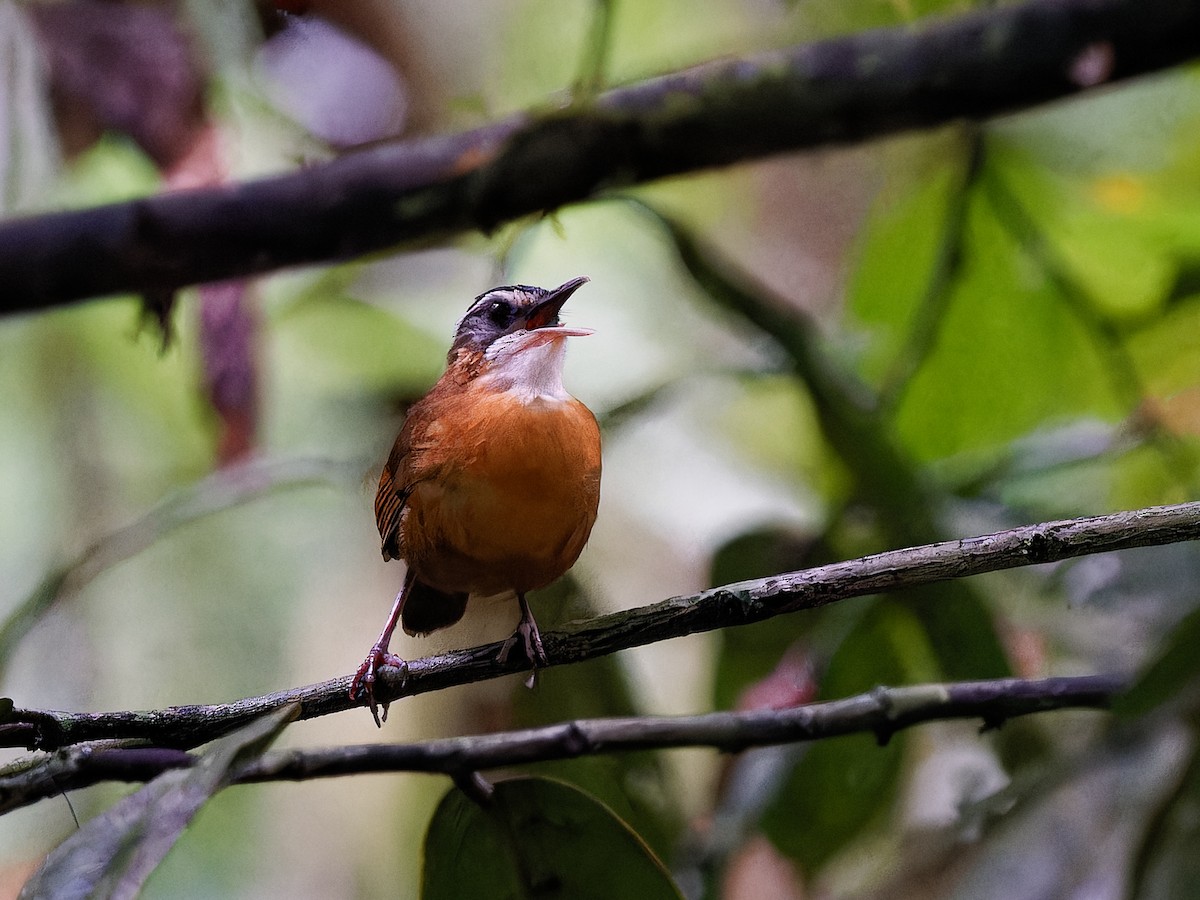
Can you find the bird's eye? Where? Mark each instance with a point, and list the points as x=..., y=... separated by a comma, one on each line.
x=500, y=313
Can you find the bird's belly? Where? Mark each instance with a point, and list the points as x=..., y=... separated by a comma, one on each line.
x=516, y=509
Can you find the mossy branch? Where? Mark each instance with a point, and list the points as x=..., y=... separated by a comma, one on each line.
x=882, y=711
x=841, y=90
x=720, y=607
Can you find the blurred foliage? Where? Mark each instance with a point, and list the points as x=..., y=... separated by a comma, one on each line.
x=635, y=786
x=841, y=785
x=749, y=655
x=1173, y=674
x=1166, y=864
x=114, y=854
x=796, y=361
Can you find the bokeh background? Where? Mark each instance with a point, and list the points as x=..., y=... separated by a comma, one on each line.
x=1001, y=327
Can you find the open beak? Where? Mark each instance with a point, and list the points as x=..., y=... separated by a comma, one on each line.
x=544, y=316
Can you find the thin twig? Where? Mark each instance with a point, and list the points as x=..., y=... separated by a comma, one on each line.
x=841, y=90
x=721, y=607
x=930, y=312
x=220, y=491
x=882, y=712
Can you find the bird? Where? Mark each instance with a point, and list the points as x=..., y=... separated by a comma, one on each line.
x=493, y=482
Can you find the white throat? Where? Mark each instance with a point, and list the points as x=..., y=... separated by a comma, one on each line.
x=531, y=370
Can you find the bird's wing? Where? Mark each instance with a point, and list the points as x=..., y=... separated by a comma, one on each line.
x=410, y=463
x=389, y=505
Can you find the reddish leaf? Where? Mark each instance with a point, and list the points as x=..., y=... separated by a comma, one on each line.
x=228, y=337
x=792, y=683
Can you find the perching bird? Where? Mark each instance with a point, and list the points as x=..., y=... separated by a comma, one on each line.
x=493, y=482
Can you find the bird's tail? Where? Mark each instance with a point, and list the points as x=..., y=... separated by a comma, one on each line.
x=427, y=609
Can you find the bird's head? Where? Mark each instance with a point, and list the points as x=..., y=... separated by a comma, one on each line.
x=513, y=334
x=509, y=318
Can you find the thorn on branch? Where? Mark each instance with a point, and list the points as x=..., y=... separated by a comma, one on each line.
x=1042, y=548
x=576, y=741
x=992, y=723
x=728, y=606
x=475, y=786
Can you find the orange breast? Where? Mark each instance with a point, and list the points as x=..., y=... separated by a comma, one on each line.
x=515, y=497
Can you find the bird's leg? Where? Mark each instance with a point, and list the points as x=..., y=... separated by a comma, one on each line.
x=527, y=632
x=364, y=678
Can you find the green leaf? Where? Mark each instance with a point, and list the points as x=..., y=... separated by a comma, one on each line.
x=960, y=631
x=1175, y=669
x=111, y=170
x=1165, y=351
x=1127, y=275
x=887, y=646
x=1121, y=260
x=113, y=854
x=894, y=262
x=541, y=838
x=1006, y=334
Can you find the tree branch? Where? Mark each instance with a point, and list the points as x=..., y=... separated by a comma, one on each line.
x=882, y=711
x=734, y=604
x=840, y=90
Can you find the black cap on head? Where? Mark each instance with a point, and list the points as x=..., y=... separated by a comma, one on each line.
x=508, y=309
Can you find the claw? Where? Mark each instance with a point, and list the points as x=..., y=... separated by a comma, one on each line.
x=532, y=637
x=364, y=679
x=529, y=635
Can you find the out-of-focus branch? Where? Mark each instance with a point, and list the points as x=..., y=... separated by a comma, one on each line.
x=883, y=711
x=908, y=509
x=733, y=604
x=840, y=90
x=220, y=491
x=931, y=310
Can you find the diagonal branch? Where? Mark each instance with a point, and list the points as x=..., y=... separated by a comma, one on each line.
x=882, y=711
x=219, y=491
x=840, y=90
x=734, y=604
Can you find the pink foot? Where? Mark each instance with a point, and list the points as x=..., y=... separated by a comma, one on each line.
x=364, y=679
x=527, y=632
